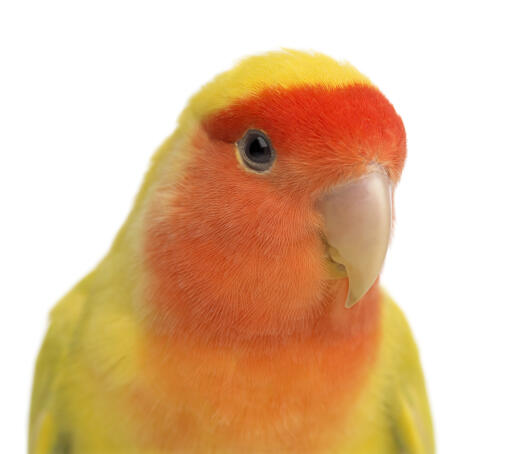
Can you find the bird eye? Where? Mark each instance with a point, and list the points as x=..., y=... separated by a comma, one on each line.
x=256, y=150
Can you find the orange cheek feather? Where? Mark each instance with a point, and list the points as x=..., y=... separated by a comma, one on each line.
x=230, y=253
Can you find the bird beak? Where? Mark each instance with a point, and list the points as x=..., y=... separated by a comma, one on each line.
x=357, y=224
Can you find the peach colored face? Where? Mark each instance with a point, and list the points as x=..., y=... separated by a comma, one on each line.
x=240, y=245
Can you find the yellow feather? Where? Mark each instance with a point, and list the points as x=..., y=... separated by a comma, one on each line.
x=283, y=70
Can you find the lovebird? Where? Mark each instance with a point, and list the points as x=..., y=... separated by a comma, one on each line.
x=239, y=309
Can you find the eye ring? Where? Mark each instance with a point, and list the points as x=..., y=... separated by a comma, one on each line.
x=256, y=150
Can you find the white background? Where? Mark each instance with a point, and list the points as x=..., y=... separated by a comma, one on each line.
x=87, y=93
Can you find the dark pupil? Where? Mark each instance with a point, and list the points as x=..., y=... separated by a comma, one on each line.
x=259, y=150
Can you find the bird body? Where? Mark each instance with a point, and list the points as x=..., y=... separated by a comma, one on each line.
x=215, y=324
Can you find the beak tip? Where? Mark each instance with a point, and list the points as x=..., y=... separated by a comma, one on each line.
x=350, y=301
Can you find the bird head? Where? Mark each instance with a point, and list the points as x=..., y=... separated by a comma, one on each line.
x=271, y=205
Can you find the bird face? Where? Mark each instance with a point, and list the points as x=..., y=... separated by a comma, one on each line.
x=283, y=207
x=341, y=151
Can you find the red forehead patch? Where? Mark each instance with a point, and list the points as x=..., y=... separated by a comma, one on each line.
x=315, y=121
